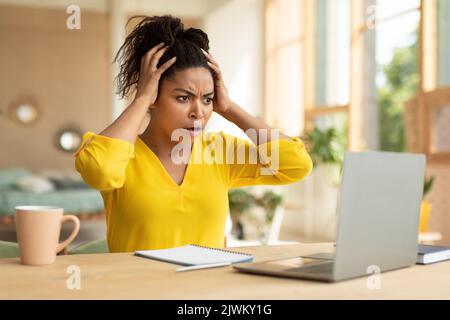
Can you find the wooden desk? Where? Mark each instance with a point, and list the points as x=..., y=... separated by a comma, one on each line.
x=124, y=276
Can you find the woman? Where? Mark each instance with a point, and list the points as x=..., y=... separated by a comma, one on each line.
x=151, y=200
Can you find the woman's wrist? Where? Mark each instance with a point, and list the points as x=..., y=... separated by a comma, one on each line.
x=229, y=111
x=142, y=101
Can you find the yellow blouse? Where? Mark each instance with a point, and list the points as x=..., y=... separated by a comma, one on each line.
x=147, y=209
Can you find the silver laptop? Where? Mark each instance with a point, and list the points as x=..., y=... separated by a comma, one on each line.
x=378, y=212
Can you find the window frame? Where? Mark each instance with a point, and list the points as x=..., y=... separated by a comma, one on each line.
x=427, y=70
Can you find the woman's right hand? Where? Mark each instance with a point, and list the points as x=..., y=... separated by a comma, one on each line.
x=149, y=75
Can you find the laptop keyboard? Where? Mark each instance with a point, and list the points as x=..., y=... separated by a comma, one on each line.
x=315, y=268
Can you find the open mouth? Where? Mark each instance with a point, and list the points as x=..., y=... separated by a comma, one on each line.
x=193, y=129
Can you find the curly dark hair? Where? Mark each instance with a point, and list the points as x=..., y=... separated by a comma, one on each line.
x=183, y=43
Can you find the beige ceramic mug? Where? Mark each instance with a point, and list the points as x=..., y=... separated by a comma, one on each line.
x=38, y=229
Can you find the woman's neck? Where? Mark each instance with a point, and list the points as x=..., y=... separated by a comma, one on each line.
x=157, y=141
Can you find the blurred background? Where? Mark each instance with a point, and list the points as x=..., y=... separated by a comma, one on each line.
x=341, y=74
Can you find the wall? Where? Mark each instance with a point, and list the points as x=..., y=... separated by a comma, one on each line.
x=440, y=202
x=67, y=71
x=443, y=42
x=236, y=34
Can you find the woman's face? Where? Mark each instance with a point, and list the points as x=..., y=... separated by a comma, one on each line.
x=185, y=98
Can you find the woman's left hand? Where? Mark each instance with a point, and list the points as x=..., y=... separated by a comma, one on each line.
x=221, y=101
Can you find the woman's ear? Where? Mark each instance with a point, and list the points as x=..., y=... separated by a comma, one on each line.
x=154, y=105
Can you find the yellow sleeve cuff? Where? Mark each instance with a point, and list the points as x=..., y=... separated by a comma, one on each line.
x=108, y=142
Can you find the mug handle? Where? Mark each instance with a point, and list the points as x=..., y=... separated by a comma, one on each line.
x=74, y=233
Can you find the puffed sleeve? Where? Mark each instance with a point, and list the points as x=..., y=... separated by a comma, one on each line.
x=276, y=162
x=102, y=161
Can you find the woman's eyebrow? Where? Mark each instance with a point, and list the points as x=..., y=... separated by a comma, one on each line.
x=191, y=93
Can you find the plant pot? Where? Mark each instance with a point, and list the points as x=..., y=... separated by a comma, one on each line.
x=425, y=210
x=237, y=228
x=270, y=231
x=321, y=203
x=252, y=225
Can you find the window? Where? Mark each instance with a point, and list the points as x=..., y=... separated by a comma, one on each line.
x=283, y=60
x=397, y=76
x=326, y=65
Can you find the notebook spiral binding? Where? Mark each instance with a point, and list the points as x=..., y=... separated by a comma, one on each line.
x=223, y=250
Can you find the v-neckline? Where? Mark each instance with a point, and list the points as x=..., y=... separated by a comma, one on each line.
x=166, y=173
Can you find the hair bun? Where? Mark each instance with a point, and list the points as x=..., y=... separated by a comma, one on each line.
x=197, y=37
x=169, y=29
x=149, y=32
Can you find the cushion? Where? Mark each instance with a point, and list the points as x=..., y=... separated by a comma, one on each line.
x=35, y=183
x=64, y=179
x=66, y=183
x=9, y=177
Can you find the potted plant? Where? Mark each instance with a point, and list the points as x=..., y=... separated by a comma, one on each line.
x=260, y=211
x=239, y=201
x=326, y=148
x=425, y=207
x=270, y=229
x=324, y=145
x=316, y=197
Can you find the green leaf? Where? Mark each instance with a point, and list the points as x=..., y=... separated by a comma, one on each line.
x=428, y=183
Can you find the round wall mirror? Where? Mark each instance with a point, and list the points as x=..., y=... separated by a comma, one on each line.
x=26, y=113
x=69, y=140
x=24, y=110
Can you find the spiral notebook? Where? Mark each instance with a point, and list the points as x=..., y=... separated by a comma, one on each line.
x=193, y=255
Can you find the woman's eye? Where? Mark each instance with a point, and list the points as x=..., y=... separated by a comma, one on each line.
x=208, y=100
x=183, y=98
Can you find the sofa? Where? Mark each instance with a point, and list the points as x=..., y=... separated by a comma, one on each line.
x=19, y=186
